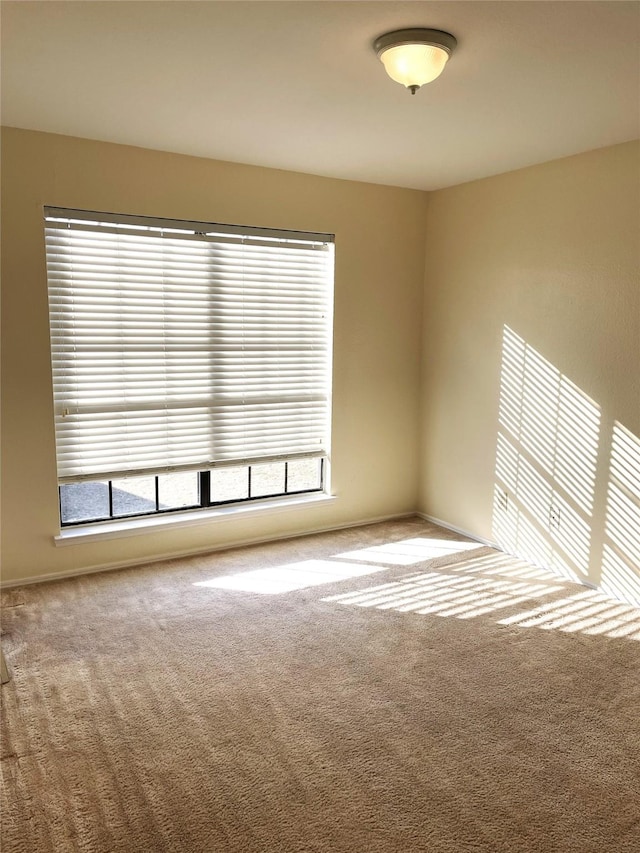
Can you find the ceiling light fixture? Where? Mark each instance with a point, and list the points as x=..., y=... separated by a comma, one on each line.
x=414, y=57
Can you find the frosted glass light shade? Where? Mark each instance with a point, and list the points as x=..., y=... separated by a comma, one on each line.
x=416, y=56
x=414, y=64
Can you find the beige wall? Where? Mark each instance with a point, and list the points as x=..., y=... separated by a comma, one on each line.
x=549, y=257
x=542, y=262
x=378, y=297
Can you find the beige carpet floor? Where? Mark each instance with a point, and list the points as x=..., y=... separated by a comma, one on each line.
x=385, y=688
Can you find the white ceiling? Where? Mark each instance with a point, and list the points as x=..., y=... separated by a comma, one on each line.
x=296, y=85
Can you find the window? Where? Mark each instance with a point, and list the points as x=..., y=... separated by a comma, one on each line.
x=191, y=362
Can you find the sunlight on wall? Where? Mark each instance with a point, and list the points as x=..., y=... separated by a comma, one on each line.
x=545, y=462
x=621, y=553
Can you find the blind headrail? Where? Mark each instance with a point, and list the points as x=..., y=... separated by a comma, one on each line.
x=61, y=217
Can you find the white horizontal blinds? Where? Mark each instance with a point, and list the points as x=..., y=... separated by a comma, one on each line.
x=177, y=350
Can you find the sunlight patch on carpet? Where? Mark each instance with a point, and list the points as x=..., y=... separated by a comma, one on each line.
x=588, y=612
x=549, y=605
x=411, y=551
x=278, y=579
x=446, y=595
x=376, y=558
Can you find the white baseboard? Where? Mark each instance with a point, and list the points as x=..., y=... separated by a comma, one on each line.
x=210, y=549
x=459, y=530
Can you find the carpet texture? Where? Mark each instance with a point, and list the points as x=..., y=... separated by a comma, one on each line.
x=390, y=688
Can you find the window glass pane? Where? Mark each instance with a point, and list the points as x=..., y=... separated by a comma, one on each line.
x=179, y=489
x=133, y=495
x=229, y=484
x=303, y=474
x=267, y=479
x=84, y=501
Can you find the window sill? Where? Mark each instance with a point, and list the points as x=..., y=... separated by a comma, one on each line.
x=152, y=524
